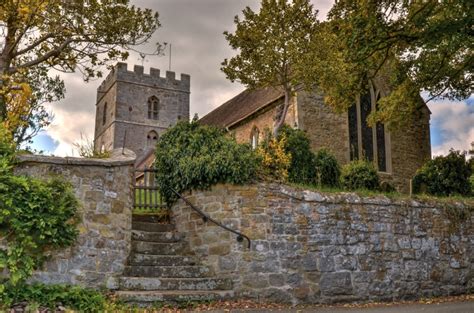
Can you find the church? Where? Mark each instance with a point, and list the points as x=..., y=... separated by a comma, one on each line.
x=397, y=154
x=134, y=109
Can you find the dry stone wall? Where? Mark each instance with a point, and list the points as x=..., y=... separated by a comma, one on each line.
x=309, y=247
x=103, y=188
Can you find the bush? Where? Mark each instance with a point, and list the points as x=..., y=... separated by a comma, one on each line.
x=191, y=156
x=52, y=296
x=328, y=171
x=444, y=176
x=35, y=217
x=302, y=168
x=359, y=174
x=274, y=159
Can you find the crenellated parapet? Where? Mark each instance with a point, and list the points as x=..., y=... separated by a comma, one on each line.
x=121, y=73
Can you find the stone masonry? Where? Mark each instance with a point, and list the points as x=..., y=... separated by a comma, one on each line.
x=124, y=96
x=309, y=247
x=103, y=188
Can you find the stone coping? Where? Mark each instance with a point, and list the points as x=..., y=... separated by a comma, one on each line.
x=117, y=158
x=305, y=195
x=353, y=198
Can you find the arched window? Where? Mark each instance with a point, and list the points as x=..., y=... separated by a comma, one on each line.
x=254, y=137
x=153, y=104
x=151, y=139
x=364, y=141
x=104, y=114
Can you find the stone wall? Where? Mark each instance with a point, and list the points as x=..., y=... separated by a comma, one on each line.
x=309, y=247
x=103, y=188
x=325, y=128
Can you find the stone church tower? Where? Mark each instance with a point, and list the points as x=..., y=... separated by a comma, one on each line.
x=133, y=109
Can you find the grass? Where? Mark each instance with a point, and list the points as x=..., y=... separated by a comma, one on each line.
x=468, y=200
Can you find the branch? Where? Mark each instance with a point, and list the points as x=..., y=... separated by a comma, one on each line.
x=46, y=56
x=35, y=44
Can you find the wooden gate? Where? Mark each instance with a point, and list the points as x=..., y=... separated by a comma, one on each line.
x=146, y=193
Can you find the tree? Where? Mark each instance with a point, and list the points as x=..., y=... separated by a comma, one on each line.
x=274, y=45
x=40, y=35
x=413, y=45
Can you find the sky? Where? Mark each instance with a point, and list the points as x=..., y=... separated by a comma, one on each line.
x=194, y=28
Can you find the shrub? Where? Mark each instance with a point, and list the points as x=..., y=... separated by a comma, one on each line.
x=52, y=296
x=328, y=171
x=444, y=175
x=359, y=174
x=274, y=159
x=302, y=167
x=192, y=156
x=35, y=217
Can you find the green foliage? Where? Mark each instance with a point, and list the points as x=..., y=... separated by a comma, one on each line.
x=302, y=167
x=35, y=217
x=359, y=174
x=328, y=170
x=274, y=47
x=52, y=296
x=412, y=45
x=275, y=161
x=190, y=156
x=444, y=176
x=7, y=150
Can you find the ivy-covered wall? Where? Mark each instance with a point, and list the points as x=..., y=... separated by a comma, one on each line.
x=103, y=188
x=310, y=247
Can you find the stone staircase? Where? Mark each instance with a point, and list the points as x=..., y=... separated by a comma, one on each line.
x=161, y=268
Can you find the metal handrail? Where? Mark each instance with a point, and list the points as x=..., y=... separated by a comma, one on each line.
x=205, y=218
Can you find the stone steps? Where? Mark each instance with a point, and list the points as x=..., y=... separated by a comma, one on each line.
x=144, y=298
x=146, y=218
x=167, y=236
x=160, y=268
x=159, y=248
x=137, y=259
x=148, y=283
x=167, y=271
x=152, y=227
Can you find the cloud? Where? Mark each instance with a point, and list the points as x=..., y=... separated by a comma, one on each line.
x=452, y=125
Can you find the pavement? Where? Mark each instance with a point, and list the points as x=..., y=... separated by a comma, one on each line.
x=447, y=307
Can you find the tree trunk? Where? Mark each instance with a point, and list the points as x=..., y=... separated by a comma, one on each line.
x=282, y=117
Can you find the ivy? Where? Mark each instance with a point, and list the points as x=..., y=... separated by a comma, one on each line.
x=52, y=296
x=191, y=156
x=36, y=217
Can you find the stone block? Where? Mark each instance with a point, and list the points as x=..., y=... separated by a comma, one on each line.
x=327, y=264
x=257, y=281
x=227, y=263
x=276, y=280
x=310, y=262
x=223, y=249
x=333, y=284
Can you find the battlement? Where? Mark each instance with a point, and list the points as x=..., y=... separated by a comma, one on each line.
x=121, y=73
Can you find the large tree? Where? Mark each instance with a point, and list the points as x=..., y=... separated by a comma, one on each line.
x=66, y=35
x=273, y=48
x=414, y=46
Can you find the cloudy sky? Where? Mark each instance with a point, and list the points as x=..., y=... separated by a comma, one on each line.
x=194, y=28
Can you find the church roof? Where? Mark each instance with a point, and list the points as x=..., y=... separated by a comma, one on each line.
x=241, y=106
